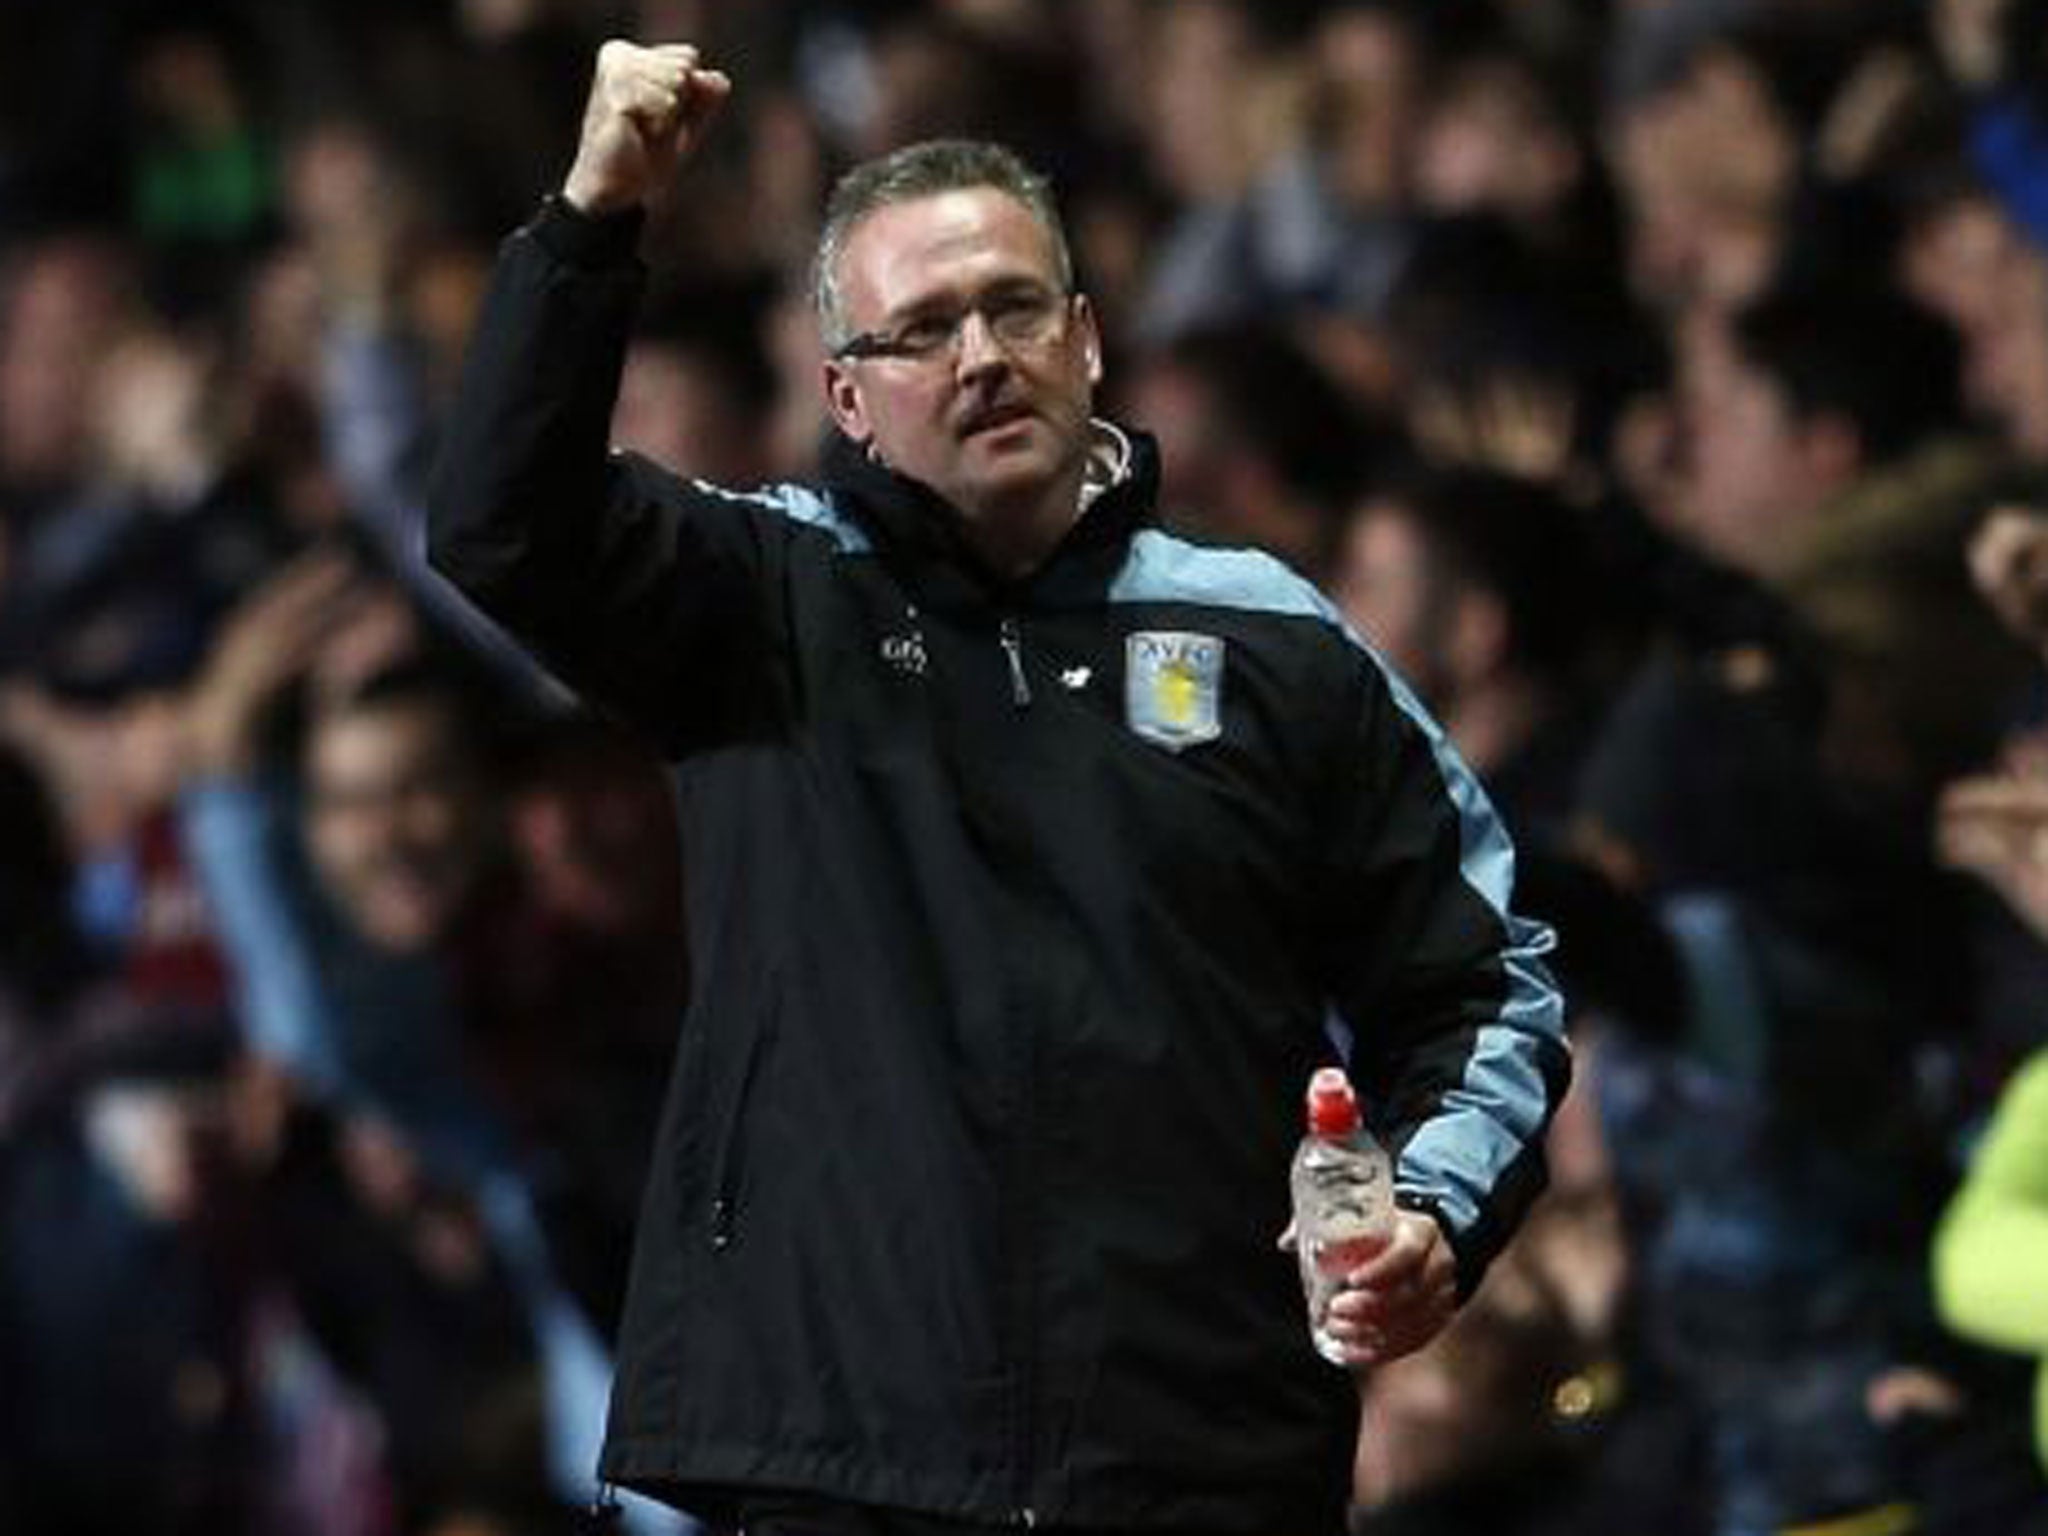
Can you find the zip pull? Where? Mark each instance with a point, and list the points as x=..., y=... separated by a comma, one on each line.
x=1013, y=647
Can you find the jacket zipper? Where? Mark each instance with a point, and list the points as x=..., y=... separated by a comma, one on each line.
x=1009, y=633
x=1013, y=647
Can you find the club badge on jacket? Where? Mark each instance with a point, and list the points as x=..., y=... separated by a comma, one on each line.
x=1173, y=687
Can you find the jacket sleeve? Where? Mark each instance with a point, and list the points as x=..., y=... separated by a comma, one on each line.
x=1991, y=1249
x=1456, y=1026
x=640, y=589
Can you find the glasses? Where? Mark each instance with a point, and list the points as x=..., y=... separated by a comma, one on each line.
x=1015, y=317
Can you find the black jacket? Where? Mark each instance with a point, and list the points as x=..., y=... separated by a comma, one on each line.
x=1019, y=915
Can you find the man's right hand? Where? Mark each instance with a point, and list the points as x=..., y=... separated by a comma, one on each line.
x=648, y=109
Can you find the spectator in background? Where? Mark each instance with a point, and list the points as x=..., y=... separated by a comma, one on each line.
x=1992, y=50
x=1507, y=132
x=1993, y=1240
x=204, y=173
x=63, y=300
x=1307, y=212
x=373, y=366
x=1474, y=588
x=143, y=1295
x=697, y=396
x=1263, y=449
x=1827, y=462
x=1964, y=257
x=132, y=1301
x=1510, y=357
x=1708, y=164
x=1993, y=1237
x=114, y=571
x=367, y=956
x=599, y=939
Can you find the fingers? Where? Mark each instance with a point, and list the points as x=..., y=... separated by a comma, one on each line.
x=2012, y=799
x=708, y=90
x=661, y=86
x=650, y=97
x=1376, y=1326
x=1996, y=828
x=378, y=630
x=648, y=107
x=1399, y=1300
x=271, y=639
x=1989, y=820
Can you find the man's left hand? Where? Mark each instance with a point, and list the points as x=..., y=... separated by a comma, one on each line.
x=1401, y=1298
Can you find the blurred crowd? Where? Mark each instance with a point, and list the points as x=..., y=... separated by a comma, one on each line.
x=1661, y=386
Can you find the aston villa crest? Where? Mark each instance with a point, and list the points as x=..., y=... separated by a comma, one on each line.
x=1173, y=687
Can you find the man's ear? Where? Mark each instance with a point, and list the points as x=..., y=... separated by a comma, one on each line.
x=1090, y=335
x=842, y=399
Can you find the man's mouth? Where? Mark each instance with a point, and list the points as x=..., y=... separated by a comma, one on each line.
x=995, y=417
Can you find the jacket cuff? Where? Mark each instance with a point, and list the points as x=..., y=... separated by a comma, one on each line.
x=594, y=241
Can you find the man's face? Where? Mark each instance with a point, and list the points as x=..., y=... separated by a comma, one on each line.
x=994, y=427
x=1387, y=587
x=673, y=406
x=1755, y=468
x=394, y=820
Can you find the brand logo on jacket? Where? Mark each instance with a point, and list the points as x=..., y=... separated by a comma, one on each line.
x=1173, y=687
x=905, y=653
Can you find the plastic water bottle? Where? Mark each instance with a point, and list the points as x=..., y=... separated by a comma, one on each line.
x=1343, y=1199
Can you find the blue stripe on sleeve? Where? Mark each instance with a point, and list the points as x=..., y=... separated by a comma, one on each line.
x=1483, y=1125
x=800, y=504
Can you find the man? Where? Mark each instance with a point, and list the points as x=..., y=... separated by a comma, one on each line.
x=1029, y=851
x=367, y=944
x=1258, y=445
x=1472, y=586
x=1828, y=462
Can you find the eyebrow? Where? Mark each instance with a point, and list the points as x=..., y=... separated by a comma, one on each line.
x=1003, y=285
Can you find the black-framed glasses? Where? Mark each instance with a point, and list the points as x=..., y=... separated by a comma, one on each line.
x=1023, y=316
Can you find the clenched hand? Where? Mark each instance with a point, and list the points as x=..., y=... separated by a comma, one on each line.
x=648, y=109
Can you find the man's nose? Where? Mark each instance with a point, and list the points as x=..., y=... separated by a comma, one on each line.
x=975, y=348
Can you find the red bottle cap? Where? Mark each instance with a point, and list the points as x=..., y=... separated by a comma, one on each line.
x=1332, y=1106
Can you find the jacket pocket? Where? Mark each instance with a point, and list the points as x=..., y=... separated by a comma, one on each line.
x=728, y=1157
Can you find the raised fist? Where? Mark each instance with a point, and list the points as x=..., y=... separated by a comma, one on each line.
x=648, y=109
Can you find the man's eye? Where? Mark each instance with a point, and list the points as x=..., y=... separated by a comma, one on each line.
x=926, y=335
x=1019, y=316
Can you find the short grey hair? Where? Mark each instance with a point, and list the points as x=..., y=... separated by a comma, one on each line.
x=919, y=171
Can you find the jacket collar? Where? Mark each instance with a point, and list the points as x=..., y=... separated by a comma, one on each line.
x=919, y=534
